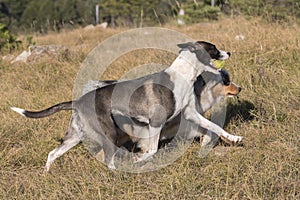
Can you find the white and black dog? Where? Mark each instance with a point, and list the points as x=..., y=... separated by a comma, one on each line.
x=210, y=89
x=150, y=101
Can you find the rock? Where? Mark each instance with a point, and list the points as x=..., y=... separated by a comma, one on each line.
x=89, y=27
x=47, y=49
x=103, y=25
x=36, y=53
x=8, y=57
x=22, y=57
x=239, y=37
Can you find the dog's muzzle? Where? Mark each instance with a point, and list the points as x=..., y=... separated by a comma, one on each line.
x=224, y=55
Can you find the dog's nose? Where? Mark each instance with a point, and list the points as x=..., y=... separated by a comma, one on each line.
x=229, y=54
x=240, y=89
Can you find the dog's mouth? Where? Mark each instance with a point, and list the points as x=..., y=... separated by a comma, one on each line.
x=231, y=95
x=224, y=55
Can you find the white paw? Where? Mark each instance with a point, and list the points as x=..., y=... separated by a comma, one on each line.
x=47, y=167
x=234, y=138
x=143, y=157
x=112, y=166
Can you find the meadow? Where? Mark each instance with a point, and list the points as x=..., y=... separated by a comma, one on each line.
x=266, y=64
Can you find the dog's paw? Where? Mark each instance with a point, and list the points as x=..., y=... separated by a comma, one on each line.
x=47, y=168
x=142, y=157
x=234, y=138
x=111, y=166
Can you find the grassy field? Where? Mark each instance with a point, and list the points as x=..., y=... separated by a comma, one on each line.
x=266, y=64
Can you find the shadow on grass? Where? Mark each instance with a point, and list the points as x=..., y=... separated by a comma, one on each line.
x=241, y=111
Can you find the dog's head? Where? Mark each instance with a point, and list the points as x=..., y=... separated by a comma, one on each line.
x=213, y=52
x=205, y=51
x=211, y=88
x=230, y=88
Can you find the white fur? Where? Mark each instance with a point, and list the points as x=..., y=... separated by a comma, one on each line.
x=183, y=72
x=19, y=110
x=192, y=115
x=224, y=55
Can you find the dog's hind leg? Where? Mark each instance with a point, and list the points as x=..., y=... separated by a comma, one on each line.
x=70, y=140
x=110, y=149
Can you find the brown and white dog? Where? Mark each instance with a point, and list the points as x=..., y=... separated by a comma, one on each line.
x=143, y=105
x=210, y=90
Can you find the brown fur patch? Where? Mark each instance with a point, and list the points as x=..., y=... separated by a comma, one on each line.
x=231, y=89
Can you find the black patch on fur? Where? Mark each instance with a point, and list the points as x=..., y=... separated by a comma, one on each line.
x=225, y=77
x=199, y=85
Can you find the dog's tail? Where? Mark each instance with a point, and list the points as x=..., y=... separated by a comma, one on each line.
x=44, y=113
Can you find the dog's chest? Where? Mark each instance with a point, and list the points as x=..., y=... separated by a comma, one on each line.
x=183, y=92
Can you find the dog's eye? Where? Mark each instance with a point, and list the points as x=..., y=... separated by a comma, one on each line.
x=226, y=82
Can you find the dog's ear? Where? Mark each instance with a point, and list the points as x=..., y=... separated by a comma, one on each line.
x=225, y=76
x=202, y=55
x=198, y=49
x=190, y=46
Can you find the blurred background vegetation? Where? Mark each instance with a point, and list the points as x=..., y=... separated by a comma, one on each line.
x=42, y=16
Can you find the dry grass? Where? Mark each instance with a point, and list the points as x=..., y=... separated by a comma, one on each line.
x=266, y=64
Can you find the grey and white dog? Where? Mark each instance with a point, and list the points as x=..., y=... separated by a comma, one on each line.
x=148, y=102
x=210, y=89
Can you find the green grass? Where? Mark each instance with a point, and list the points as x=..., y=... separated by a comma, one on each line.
x=267, y=66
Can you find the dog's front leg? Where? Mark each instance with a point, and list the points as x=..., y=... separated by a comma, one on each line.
x=209, y=139
x=149, y=145
x=218, y=117
x=191, y=114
